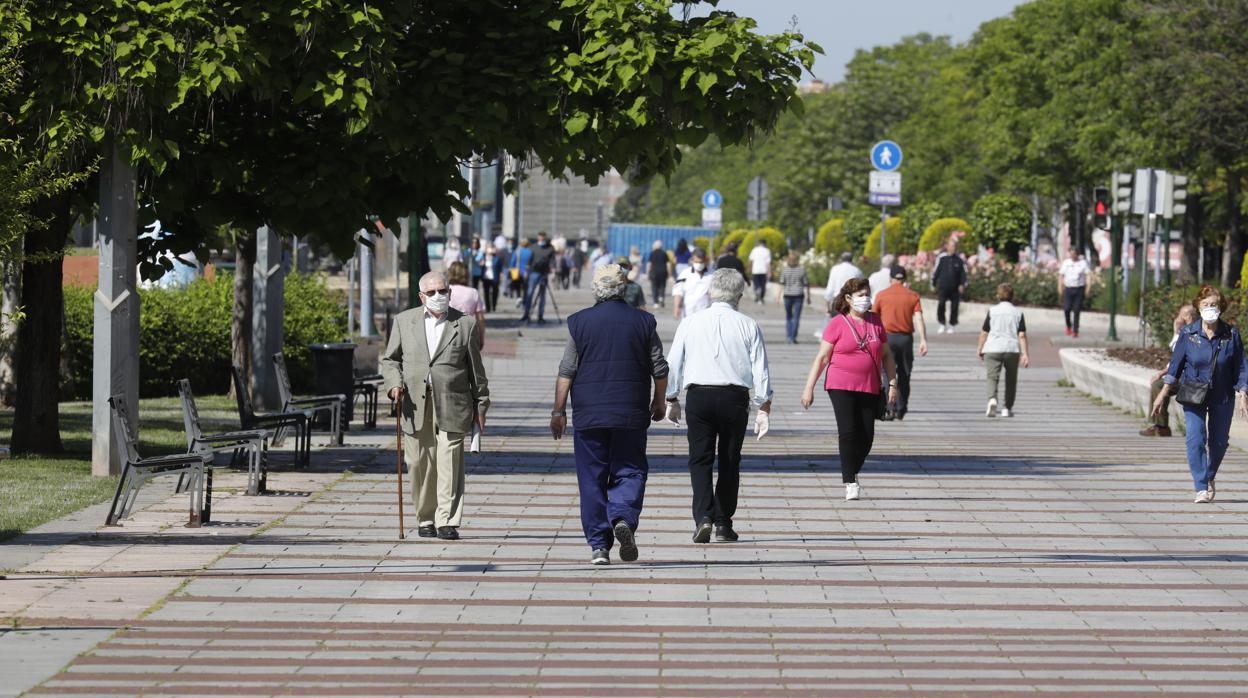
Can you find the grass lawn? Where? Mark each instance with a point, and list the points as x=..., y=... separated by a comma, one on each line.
x=38, y=489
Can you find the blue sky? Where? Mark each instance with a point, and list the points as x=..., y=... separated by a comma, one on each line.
x=844, y=26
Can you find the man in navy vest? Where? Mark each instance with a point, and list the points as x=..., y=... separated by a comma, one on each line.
x=614, y=367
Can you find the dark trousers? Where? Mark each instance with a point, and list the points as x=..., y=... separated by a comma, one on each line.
x=658, y=290
x=535, y=292
x=792, y=316
x=717, y=417
x=489, y=293
x=855, y=429
x=611, y=472
x=902, y=346
x=1072, y=305
x=953, y=298
x=760, y=286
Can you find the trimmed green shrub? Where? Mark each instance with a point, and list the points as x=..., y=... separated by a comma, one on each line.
x=1162, y=303
x=185, y=333
x=939, y=231
x=894, y=244
x=702, y=241
x=916, y=218
x=1032, y=286
x=830, y=239
x=774, y=239
x=1002, y=222
x=859, y=220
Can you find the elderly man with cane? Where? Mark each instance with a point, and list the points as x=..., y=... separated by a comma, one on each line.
x=718, y=356
x=613, y=366
x=433, y=365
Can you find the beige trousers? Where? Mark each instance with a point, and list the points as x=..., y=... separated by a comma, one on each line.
x=435, y=463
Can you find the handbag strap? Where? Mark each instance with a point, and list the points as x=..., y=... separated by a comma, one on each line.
x=862, y=343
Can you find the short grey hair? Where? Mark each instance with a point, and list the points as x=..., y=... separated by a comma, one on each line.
x=887, y=261
x=727, y=285
x=609, y=282
x=432, y=276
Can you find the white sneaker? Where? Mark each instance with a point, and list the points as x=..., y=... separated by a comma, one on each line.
x=950, y=330
x=1005, y=412
x=941, y=330
x=992, y=408
x=1202, y=497
x=852, y=491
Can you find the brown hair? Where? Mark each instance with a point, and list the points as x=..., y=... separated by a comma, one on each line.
x=1205, y=292
x=840, y=305
x=795, y=259
x=457, y=274
x=1005, y=292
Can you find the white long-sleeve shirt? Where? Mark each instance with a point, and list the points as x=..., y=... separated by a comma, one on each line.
x=837, y=276
x=719, y=346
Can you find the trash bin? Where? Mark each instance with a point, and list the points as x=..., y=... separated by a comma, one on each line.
x=333, y=366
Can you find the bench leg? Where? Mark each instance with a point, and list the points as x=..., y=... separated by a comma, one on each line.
x=114, y=515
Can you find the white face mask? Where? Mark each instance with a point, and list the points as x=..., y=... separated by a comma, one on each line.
x=699, y=266
x=1210, y=314
x=438, y=302
x=860, y=303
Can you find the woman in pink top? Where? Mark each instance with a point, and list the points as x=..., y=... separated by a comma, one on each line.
x=853, y=349
x=465, y=298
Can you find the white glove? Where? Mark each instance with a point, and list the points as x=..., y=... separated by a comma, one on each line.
x=673, y=412
x=762, y=424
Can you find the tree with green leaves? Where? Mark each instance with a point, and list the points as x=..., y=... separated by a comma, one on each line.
x=1003, y=223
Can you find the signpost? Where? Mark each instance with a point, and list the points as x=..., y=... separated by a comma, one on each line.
x=712, y=211
x=884, y=188
x=756, y=204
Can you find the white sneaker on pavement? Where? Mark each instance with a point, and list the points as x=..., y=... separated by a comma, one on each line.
x=1202, y=497
x=992, y=408
x=950, y=330
x=1005, y=412
x=941, y=330
x=852, y=491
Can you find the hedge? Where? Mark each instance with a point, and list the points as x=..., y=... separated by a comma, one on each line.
x=1162, y=303
x=185, y=333
x=893, y=245
x=776, y=244
x=939, y=231
x=831, y=238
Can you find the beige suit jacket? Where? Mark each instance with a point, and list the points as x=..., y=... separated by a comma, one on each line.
x=460, y=387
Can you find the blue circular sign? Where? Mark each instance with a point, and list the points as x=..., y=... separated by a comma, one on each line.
x=711, y=198
x=886, y=156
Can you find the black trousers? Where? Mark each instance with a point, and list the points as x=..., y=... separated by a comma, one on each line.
x=716, y=417
x=490, y=293
x=902, y=346
x=855, y=429
x=953, y=298
x=1072, y=305
x=760, y=286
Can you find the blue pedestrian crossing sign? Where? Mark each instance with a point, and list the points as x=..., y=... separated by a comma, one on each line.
x=711, y=198
x=886, y=156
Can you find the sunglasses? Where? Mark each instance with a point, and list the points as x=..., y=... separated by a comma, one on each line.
x=437, y=291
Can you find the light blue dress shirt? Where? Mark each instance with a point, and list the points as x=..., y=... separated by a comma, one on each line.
x=719, y=346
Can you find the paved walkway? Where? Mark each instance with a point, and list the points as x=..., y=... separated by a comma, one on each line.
x=1055, y=551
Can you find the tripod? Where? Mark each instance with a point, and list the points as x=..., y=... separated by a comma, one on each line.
x=543, y=291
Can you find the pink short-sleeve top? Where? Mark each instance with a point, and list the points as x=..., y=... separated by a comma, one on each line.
x=466, y=300
x=853, y=366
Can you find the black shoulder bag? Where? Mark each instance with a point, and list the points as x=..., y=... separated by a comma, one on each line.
x=1193, y=392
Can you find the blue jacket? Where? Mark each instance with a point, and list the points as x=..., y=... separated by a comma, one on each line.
x=520, y=259
x=1193, y=356
x=612, y=387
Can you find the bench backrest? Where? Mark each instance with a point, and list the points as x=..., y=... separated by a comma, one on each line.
x=123, y=429
x=283, y=379
x=190, y=413
x=246, y=410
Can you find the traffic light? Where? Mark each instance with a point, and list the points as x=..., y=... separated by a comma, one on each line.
x=1122, y=192
x=1174, y=202
x=1100, y=207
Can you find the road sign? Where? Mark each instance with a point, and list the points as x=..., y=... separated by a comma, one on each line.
x=712, y=199
x=756, y=203
x=884, y=189
x=886, y=156
x=712, y=217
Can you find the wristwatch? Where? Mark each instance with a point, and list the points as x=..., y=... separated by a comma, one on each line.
x=558, y=413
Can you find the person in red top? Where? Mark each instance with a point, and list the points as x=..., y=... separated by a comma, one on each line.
x=902, y=311
x=854, y=347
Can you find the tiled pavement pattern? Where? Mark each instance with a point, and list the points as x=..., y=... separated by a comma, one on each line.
x=1055, y=551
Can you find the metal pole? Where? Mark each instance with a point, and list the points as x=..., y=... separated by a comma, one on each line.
x=1156, y=252
x=1115, y=235
x=1165, y=228
x=351, y=294
x=883, y=230
x=1143, y=269
x=366, y=285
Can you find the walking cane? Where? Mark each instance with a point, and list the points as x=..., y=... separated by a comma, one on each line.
x=398, y=460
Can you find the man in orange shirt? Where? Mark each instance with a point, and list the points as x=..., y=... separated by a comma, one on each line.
x=901, y=311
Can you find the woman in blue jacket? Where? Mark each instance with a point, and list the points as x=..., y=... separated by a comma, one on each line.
x=1200, y=345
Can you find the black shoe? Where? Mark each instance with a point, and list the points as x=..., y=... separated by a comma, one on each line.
x=628, y=545
x=600, y=557
x=725, y=534
x=427, y=531
x=703, y=534
x=448, y=533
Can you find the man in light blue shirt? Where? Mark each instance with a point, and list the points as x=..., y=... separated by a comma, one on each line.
x=718, y=357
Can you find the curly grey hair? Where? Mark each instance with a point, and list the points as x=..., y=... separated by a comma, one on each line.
x=609, y=282
x=727, y=285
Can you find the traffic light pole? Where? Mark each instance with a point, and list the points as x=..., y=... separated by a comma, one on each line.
x=1115, y=236
x=1165, y=236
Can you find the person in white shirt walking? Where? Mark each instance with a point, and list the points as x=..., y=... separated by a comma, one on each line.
x=760, y=269
x=1072, y=282
x=883, y=278
x=839, y=274
x=691, y=287
x=718, y=356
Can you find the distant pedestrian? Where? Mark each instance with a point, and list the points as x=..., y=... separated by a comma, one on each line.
x=563, y=268
x=473, y=257
x=1161, y=419
x=465, y=298
x=949, y=279
x=840, y=273
x=1072, y=283
x=854, y=348
x=541, y=264
x=432, y=366
x=901, y=311
x=794, y=287
x=1003, y=345
x=883, y=278
x=632, y=294
x=519, y=272
x=1208, y=374
x=579, y=257
x=691, y=288
x=634, y=261
x=760, y=269
x=718, y=357
x=492, y=268
x=682, y=256
x=729, y=260
x=614, y=368
x=657, y=271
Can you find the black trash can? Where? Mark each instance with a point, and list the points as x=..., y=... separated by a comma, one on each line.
x=333, y=366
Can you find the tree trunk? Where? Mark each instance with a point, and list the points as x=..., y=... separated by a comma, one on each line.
x=36, y=413
x=1233, y=257
x=240, y=323
x=1192, y=237
x=9, y=307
